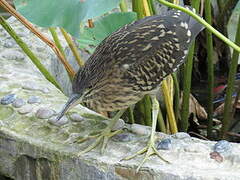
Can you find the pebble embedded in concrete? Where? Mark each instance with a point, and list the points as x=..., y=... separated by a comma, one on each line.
x=23, y=33
x=25, y=109
x=140, y=129
x=30, y=86
x=164, y=144
x=119, y=125
x=35, y=87
x=181, y=135
x=73, y=138
x=62, y=121
x=40, y=48
x=44, y=113
x=9, y=44
x=18, y=102
x=76, y=117
x=8, y=99
x=222, y=146
x=44, y=89
x=34, y=99
x=12, y=54
x=216, y=156
x=123, y=137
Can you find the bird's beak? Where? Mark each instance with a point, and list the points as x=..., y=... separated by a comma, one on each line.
x=72, y=101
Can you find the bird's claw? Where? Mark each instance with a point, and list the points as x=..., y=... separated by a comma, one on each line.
x=149, y=150
x=103, y=138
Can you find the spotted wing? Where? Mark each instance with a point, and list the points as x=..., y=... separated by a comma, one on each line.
x=160, y=42
x=153, y=49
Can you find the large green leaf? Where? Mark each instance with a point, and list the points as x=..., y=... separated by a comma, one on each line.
x=63, y=13
x=103, y=27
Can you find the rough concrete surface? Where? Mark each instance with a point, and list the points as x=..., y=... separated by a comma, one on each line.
x=31, y=148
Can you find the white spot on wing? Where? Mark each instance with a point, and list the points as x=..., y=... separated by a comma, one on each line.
x=155, y=38
x=133, y=41
x=126, y=66
x=147, y=47
x=177, y=46
x=175, y=39
x=162, y=34
x=161, y=26
x=184, y=25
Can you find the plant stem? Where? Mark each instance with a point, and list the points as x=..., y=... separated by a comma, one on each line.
x=148, y=110
x=123, y=6
x=187, y=88
x=221, y=4
x=210, y=67
x=169, y=107
x=202, y=21
x=161, y=123
x=146, y=8
x=176, y=96
x=230, y=86
x=29, y=53
x=151, y=7
x=187, y=77
x=130, y=114
x=28, y=25
x=140, y=115
x=137, y=6
x=56, y=40
x=90, y=23
x=176, y=2
x=72, y=47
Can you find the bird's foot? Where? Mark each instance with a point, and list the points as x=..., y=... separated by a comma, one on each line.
x=103, y=138
x=149, y=150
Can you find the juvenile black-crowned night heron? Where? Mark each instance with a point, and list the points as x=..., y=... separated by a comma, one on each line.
x=131, y=63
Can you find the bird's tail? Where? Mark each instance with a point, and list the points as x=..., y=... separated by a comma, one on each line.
x=193, y=25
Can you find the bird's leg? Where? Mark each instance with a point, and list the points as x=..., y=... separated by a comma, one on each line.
x=104, y=135
x=150, y=148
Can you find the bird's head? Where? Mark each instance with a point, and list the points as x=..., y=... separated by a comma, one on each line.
x=80, y=87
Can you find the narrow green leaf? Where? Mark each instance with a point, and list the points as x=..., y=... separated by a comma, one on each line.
x=210, y=68
x=231, y=77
